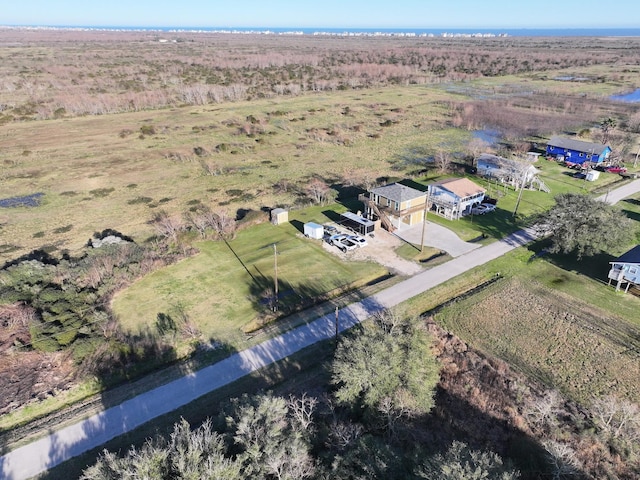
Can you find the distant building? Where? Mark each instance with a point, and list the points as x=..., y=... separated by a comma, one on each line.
x=510, y=171
x=577, y=151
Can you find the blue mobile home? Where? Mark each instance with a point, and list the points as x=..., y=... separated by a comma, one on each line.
x=577, y=151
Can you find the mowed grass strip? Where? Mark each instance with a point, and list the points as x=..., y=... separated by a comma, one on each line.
x=228, y=284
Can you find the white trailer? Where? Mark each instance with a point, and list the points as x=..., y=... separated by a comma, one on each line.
x=313, y=230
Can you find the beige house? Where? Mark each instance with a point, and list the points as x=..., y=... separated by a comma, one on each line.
x=396, y=206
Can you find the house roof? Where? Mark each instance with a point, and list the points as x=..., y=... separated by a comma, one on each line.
x=578, y=145
x=632, y=256
x=494, y=161
x=398, y=192
x=461, y=187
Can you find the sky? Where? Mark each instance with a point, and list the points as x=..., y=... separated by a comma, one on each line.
x=484, y=14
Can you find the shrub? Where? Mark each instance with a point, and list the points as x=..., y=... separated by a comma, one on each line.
x=148, y=130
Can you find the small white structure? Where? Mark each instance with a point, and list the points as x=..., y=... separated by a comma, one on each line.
x=313, y=230
x=592, y=175
x=279, y=216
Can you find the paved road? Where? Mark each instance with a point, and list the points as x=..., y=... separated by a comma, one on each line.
x=34, y=458
x=614, y=196
x=66, y=443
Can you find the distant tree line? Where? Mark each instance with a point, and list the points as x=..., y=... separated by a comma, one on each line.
x=130, y=76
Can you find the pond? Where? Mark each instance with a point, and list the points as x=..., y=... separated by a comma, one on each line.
x=632, y=97
x=492, y=137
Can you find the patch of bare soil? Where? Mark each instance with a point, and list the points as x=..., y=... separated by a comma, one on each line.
x=380, y=249
x=28, y=376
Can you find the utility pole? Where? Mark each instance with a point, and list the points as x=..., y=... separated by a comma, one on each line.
x=424, y=222
x=275, y=285
x=635, y=161
x=524, y=173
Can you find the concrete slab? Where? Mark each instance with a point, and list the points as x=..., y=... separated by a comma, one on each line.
x=437, y=236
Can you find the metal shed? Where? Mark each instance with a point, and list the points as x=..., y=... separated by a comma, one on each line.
x=279, y=216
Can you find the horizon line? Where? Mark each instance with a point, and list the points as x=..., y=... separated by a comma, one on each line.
x=245, y=27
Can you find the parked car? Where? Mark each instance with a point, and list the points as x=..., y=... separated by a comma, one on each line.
x=479, y=210
x=358, y=240
x=489, y=207
x=331, y=230
x=572, y=165
x=616, y=169
x=334, y=239
x=345, y=244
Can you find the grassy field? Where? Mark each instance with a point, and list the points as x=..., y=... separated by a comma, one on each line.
x=552, y=318
x=116, y=171
x=103, y=172
x=228, y=285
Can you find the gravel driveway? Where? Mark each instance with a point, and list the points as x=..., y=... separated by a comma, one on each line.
x=380, y=249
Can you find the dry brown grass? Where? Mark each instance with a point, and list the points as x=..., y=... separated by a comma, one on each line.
x=94, y=178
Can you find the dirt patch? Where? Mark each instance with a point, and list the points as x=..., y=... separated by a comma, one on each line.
x=380, y=249
x=487, y=403
x=27, y=376
x=32, y=376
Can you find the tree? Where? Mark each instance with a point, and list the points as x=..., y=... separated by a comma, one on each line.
x=462, y=463
x=475, y=147
x=442, y=160
x=167, y=226
x=272, y=438
x=388, y=369
x=319, y=192
x=187, y=455
x=270, y=442
x=617, y=417
x=581, y=224
x=606, y=127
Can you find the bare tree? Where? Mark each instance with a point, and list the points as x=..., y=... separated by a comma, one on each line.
x=167, y=226
x=475, y=147
x=617, y=418
x=443, y=161
x=562, y=459
x=223, y=224
x=200, y=220
x=318, y=191
x=543, y=411
x=302, y=410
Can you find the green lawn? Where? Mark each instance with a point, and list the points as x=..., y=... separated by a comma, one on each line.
x=502, y=222
x=227, y=286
